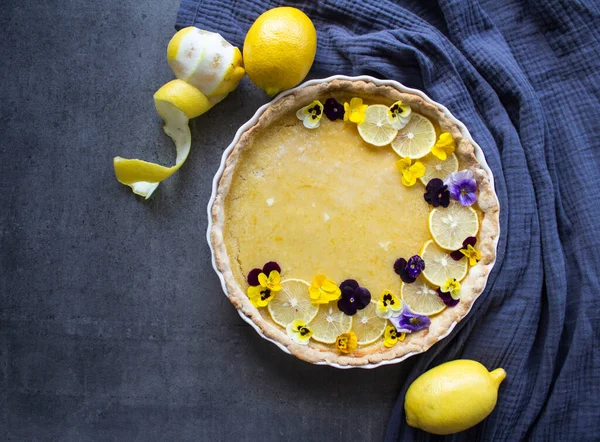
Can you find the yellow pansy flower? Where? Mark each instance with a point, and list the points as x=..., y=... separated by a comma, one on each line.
x=299, y=331
x=388, y=304
x=272, y=282
x=311, y=115
x=472, y=254
x=346, y=342
x=399, y=115
x=355, y=110
x=451, y=286
x=391, y=336
x=444, y=146
x=260, y=295
x=410, y=172
x=323, y=290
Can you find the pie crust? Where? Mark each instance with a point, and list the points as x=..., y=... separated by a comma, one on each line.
x=442, y=323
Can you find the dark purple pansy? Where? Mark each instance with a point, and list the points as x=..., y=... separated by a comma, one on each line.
x=409, y=270
x=457, y=255
x=354, y=297
x=408, y=322
x=462, y=187
x=436, y=193
x=333, y=109
x=447, y=298
x=267, y=268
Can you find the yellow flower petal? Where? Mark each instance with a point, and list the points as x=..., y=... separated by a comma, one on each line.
x=444, y=146
x=417, y=169
x=347, y=342
x=263, y=280
x=451, y=286
x=390, y=336
x=254, y=291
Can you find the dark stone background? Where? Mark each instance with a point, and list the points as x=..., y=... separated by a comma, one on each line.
x=113, y=325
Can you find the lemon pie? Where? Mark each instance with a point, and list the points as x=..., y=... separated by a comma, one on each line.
x=353, y=223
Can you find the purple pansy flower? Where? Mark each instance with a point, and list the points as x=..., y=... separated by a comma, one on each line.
x=436, y=193
x=408, y=322
x=447, y=298
x=267, y=268
x=462, y=187
x=457, y=255
x=354, y=297
x=409, y=270
x=333, y=109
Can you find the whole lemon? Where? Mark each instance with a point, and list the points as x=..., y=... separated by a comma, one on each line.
x=452, y=397
x=279, y=49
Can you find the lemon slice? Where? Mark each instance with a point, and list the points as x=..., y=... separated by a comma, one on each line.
x=450, y=226
x=416, y=139
x=436, y=168
x=422, y=298
x=206, y=61
x=376, y=129
x=329, y=323
x=292, y=302
x=439, y=265
x=176, y=102
x=367, y=325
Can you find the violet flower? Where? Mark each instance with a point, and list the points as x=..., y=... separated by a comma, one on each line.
x=333, y=109
x=436, y=193
x=447, y=298
x=409, y=270
x=462, y=187
x=457, y=255
x=354, y=297
x=267, y=268
x=408, y=322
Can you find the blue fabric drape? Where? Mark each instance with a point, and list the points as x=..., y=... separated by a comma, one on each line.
x=524, y=76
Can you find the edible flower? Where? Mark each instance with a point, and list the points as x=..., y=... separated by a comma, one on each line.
x=468, y=249
x=444, y=146
x=462, y=187
x=410, y=172
x=388, y=304
x=408, y=322
x=409, y=270
x=436, y=193
x=311, y=115
x=451, y=286
x=354, y=297
x=391, y=336
x=346, y=342
x=355, y=110
x=323, y=290
x=262, y=287
x=447, y=298
x=299, y=332
x=399, y=115
x=334, y=109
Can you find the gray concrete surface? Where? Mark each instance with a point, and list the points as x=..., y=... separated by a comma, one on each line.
x=113, y=325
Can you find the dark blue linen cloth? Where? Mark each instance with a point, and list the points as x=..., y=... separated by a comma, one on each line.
x=524, y=76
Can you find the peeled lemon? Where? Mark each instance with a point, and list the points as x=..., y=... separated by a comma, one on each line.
x=416, y=139
x=436, y=168
x=450, y=226
x=329, y=323
x=367, y=326
x=452, y=397
x=176, y=102
x=292, y=302
x=279, y=49
x=206, y=61
x=439, y=265
x=422, y=298
x=376, y=129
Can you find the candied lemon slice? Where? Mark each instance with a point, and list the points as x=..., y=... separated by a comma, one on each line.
x=176, y=102
x=439, y=265
x=450, y=226
x=329, y=323
x=376, y=129
x=436, y=168
x=422, y=298
x=416, y=139
x=367, y=325
x=292, y=302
